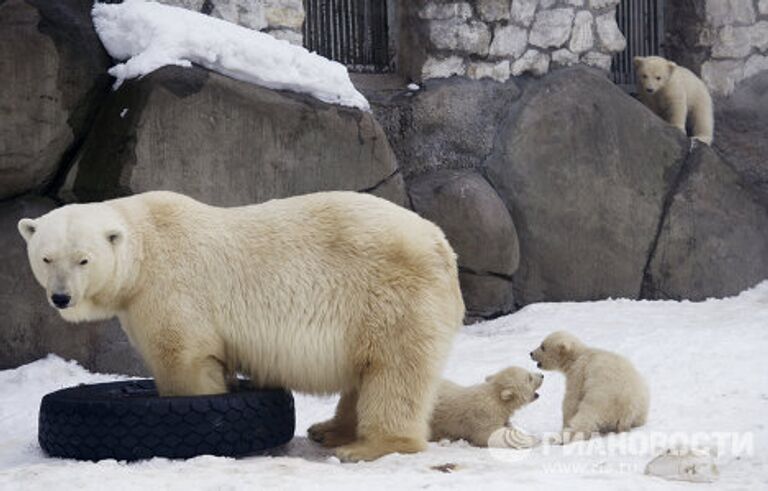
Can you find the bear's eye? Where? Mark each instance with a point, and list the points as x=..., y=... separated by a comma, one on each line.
x=645, y=76
x=46, y=260
x=542, y=347
x=658, y=78
x=83, y=262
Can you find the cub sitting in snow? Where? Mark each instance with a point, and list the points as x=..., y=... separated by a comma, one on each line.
x=603, y=391
x=475, y=413
x=674, y=93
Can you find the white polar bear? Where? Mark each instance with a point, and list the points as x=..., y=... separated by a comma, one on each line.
x=475, y=413
x=322, y=293
x=674, y=93
x=471, y=413
x=603, y=391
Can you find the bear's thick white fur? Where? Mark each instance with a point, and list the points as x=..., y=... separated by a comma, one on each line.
x=603, y=391
x=474, y=413
x=321, y=293
x=675, y=93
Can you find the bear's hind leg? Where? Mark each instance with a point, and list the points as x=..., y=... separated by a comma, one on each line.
x=342, y=428
x=582, y=425
x=396, y=397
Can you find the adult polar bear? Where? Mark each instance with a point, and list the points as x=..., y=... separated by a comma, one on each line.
x=321, y=293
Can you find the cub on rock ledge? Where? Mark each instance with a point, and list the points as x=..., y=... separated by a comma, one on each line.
x=329, y=292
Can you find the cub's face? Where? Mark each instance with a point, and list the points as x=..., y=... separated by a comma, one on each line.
x=516, y=385
x=72, y=255
x=653, y=73
x=554, y=350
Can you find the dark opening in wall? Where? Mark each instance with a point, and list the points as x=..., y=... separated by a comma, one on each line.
x=642, y=22
x=353, y=32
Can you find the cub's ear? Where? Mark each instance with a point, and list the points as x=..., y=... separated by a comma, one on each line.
x=638, y=61
x=27, y=228
x=507, y=394
x=671, y=65
x=489, y=378
x=114, y=236
x=563, y=346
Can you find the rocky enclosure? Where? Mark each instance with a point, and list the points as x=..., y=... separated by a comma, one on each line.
x=550, y=189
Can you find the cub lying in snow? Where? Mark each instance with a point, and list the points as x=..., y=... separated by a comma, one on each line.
x=475, y=413
x=470, y=413
x=603, y=391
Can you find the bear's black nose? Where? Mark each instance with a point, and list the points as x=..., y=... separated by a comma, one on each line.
x=60, y=300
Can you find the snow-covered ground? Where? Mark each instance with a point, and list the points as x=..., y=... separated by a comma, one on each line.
x=150, y=35
x=705, y=362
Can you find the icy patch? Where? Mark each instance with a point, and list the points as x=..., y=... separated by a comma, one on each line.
x=150, y=36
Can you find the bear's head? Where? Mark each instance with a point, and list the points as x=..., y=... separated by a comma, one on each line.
x=557, y=351
x=75, y=252
x=516, y=386
x=653, y=73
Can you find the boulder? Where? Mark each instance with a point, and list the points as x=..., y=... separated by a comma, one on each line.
x=53, y=71
x=741, y=132
x=584, y=170
x=714, y=239
x=447, y=124
x=481, y=231
x=31, y=328
x=227, y=143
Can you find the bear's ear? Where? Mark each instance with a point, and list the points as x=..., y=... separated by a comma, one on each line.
x=671, y=65
x=27, y=228
x=508, y=394
x=489, y=378
x=114, y=236
x=637, y=61
x=563, y=345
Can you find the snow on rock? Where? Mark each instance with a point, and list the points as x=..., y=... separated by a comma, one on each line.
x=705, y=364
x=150, y=35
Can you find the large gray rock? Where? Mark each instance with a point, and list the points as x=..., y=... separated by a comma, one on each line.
x=741, y=132
x=448, y=124
x=481, y=231
x=53, y=72
x=584, y=170
x=226, y=142
x=31, y=328
x=714, y=239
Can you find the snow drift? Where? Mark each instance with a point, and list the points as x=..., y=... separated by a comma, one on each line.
x=150, y=36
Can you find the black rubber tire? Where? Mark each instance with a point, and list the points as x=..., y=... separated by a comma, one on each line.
x=128, y=421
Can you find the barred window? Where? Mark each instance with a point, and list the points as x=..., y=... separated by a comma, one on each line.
x=352, y=32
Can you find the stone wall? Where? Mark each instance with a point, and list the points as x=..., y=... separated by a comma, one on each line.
x=497, y=39
x=281, y=18
x=726, y=41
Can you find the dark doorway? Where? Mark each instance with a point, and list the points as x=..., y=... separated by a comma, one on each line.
x=352, y=32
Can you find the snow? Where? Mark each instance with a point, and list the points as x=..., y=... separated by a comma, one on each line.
x=705, y=363
x=150, y=35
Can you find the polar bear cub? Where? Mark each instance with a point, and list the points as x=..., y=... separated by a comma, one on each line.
x=674, y=93
x=474, y=413
x=603, y=391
